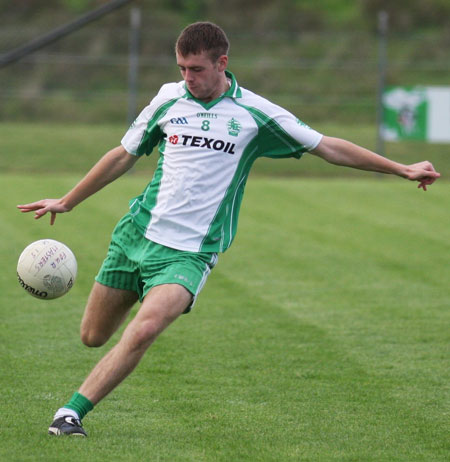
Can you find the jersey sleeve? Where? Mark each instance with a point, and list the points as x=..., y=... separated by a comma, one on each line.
x=280, y=133
x=145, y=133
x=293, y=134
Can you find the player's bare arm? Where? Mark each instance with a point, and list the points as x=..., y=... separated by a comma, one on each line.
x=342, y=152
x=110, y=167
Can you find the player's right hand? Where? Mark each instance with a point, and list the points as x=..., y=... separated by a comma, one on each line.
x=423, y=172
x=43, y=206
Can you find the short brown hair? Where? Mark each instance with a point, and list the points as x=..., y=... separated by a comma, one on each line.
x=203, y=36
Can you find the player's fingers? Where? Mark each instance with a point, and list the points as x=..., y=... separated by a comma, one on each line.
x=53, y=218
x=425, y=182
x=25, y=208
x=433, y=175
x=40, y=213
x=428, y=167
x=30, y=207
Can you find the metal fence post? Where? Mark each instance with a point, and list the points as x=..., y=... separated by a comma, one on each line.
x=133, y=64
x=383, y=18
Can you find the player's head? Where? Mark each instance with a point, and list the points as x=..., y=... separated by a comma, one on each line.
x=203, y=37
x=201, y=51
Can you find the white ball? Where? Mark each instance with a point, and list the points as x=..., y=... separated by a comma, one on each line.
x=47, y=269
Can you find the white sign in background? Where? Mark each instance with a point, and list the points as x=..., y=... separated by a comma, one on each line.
x=420, y=113
x=438, y=114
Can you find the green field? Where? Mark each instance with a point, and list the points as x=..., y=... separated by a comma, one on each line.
x=322, y=335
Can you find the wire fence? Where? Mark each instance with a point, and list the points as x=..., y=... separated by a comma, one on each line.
x=318, y=76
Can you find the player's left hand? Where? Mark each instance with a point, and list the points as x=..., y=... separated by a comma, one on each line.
x=423, y=172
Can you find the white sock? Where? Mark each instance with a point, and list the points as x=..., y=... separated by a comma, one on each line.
x=63, y=411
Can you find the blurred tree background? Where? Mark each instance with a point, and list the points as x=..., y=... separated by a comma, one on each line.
x=317, y=58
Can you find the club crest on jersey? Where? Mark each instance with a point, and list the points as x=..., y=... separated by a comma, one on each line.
x=203, y=142
x=234, y=127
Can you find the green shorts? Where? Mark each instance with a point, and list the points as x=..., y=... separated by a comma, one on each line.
x=135, y=263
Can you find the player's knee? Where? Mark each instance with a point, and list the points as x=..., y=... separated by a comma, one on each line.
x=145, y=332
x=92, y=338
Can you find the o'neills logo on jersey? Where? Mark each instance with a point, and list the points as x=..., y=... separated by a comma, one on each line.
x=203, y=142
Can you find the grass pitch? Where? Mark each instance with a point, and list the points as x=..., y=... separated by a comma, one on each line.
x=322, y=334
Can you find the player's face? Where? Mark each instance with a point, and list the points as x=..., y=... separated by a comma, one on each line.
x=204, y=78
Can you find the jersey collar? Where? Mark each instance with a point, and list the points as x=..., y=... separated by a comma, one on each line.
x=233, y=92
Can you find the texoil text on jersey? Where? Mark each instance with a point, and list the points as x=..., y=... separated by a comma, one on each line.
x=203, y=142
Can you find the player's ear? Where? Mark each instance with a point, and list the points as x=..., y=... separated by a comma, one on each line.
x=222, y=63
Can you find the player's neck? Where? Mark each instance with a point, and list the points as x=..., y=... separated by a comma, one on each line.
x=221, y=88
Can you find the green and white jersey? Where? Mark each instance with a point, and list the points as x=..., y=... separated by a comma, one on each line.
x=206, y=152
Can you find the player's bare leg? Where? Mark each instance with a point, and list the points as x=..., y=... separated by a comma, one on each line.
x=162, y=305
x=105, y=311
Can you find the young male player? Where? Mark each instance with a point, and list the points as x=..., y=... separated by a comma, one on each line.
x=209, y=131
